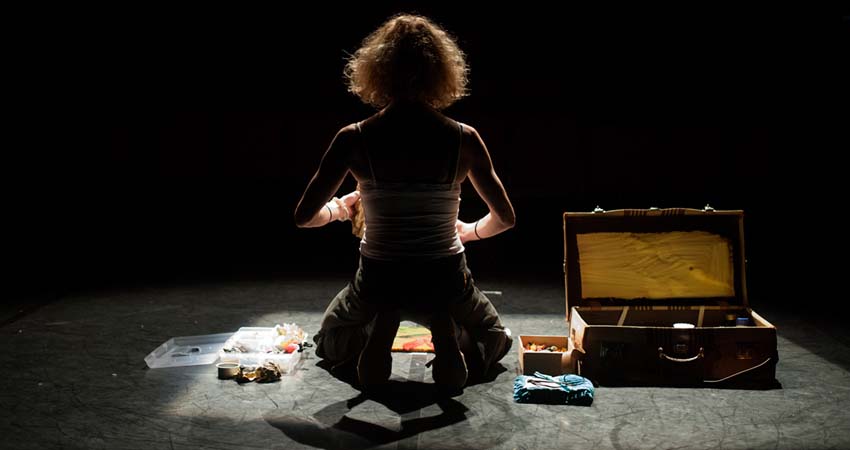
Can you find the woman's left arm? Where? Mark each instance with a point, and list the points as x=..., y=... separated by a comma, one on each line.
x=315, y=208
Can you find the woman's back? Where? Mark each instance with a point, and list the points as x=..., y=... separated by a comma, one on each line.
x=408, y=144
x=407, y=168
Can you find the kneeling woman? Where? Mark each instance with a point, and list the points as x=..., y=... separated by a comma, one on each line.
x=409, y=161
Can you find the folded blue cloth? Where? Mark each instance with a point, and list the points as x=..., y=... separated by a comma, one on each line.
x=565, y=389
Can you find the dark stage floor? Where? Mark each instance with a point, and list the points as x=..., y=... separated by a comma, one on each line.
x=75, y=378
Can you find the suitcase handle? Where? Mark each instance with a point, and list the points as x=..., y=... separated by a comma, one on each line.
x=662, y=355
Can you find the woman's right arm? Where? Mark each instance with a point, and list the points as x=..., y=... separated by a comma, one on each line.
x=485, y=181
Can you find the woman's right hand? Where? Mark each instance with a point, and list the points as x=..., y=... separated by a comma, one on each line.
x=465, y=231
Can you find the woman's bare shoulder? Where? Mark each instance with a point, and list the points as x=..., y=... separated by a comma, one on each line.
x=467, y=128
x=349, y=130
x=344, y=145
x=471, y=141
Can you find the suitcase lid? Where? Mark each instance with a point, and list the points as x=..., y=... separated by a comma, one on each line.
x=674, y=256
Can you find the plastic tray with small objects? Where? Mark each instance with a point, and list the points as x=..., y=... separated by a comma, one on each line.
x=256, y=346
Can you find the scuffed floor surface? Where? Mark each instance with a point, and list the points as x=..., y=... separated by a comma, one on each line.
x=74, y=377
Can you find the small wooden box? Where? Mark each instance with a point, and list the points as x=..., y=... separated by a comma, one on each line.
x=549, y=363
x=648, y=293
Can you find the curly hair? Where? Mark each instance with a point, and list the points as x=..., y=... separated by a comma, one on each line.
x=409, y=57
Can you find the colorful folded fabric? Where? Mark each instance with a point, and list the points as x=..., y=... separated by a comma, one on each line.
x=564, y=389
x=413, y=339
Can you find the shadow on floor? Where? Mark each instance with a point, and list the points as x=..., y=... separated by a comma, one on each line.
x=330, y=427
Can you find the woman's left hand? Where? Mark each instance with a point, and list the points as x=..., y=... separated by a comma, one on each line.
x=350, y=202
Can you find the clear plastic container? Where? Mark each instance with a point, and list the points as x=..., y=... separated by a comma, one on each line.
x=187, y=351
x=258, y=346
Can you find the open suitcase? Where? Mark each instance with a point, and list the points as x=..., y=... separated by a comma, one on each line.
x=659, y=297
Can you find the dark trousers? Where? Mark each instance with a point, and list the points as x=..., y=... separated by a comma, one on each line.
x=418, y=290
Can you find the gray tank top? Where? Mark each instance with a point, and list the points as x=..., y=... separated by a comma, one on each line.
x=410, y=220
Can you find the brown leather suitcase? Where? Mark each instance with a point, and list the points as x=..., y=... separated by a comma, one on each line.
x=658, y=297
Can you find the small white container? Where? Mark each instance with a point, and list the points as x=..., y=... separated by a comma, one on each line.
x=227, y=370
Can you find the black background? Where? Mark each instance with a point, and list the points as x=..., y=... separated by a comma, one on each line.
x=164, y=145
